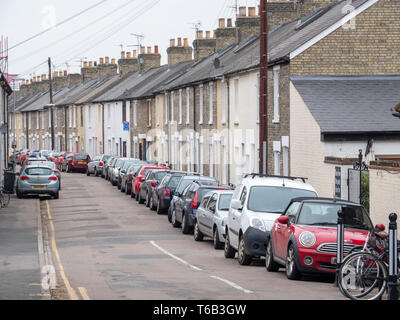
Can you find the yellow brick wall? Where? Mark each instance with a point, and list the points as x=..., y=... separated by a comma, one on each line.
x=384, y=195
x=371, y=48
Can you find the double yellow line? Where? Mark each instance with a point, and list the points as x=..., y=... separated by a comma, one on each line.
x=71, y=291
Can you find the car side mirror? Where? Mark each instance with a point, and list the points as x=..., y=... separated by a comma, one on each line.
x=380, y=227
x=236, y=205
x=283, y=220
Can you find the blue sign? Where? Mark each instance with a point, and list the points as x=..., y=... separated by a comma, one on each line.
x=126, y=126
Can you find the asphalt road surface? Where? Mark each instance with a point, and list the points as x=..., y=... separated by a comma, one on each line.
x=107, y=246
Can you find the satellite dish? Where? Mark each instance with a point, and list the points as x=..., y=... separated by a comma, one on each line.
x=217, y=63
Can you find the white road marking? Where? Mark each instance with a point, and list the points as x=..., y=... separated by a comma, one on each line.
x=232, y=284
x=175, y=257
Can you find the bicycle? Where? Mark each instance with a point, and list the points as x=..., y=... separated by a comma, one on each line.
x=364, y=272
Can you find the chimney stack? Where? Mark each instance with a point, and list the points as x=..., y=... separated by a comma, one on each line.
x=105, y=68
x=73, y=79
x=88, y=72
x=225, y=34
x=60, y=80
x=177, y=54
x=128, y=64
x=247, y=24
x=203, y=47
x=149, y=60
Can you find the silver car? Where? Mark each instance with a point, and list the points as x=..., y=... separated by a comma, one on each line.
x=211, y=217
x=38, y=179
x=96, y=165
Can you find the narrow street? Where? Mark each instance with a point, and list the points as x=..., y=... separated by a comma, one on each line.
x=110, y=247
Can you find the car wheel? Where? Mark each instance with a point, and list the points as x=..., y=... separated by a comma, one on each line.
x=175, y=223
x=147, y=200
x=56, y=196
x=19, y=194
x=122, y=188
x=186, y=229
x=217, y=244
x=270, y=264
x=96, y=173
x=140, y=199
x=198, y=235
x=229, y=251
x=243, y=258
x=159, y=211
x=127, y=190
x=151, y=205
x=292, y=271
x=119, y=186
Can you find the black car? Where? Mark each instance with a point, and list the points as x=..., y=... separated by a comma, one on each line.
x=151, y=182
x=126, y=177
x=185, y=208
x=127, y=162
x=164, y=192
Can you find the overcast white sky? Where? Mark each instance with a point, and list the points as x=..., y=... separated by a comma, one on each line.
x=99, y=32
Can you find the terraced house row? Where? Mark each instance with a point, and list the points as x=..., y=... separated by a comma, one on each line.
x=333, y=78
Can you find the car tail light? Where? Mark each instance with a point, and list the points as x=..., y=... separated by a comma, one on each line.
x=53, y=178
x=195, y=204
x=153, y=184
x=56, y=171
x=167, y=193
x=101, y=164
x=23, y=178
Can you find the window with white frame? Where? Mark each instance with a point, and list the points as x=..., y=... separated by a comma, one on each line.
x=188, y=105
x=180, y=107
x=49, y=116
x=201, y=92
x=276, y=71
x=149, y=113
x=43, y=113
x=224, y=101
x=236, y=100
x=285, y=155
x=277, y=158
x=211, y=101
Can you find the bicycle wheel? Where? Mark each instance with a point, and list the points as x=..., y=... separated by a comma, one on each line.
x=363, y=276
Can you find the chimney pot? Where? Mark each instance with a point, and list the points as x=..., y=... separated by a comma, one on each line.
x=134, y=54
x=200, y=34
x=142, y=50
x=101, y=60
x=128, y=55
x=221, y=23
x=122, y=54
x=85, y=64
x=229, y=23
x=156, y=49
x=65, y=73
x=172, y=43
x=112, y=61
x=91, y=63
x=148, y=49
x=186, y=42
x=107, y=60
x=208, y=34
x=242, y=11
x=43, y=77
x=179, y=42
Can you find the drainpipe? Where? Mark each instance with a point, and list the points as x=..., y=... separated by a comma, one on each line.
x=229, y=131
x=27, y=131
x=102, y=129
x=65, y=129
x=194, y=130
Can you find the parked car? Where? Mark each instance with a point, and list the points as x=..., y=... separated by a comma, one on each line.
x=44, y=153
x=113, y=174
x=60, y=159
x=76, y=162
x=53, y=156
x=107, y=167
x=37, y=179
x=52, y=166
x=126, y=178
x=29, y=161
x=211, y=217
x=183, y=183
x=151, y=182
x=96, y=165
x=186, y=206
x=164, y=192
x=140, y=176
x=124, y=169
x=256, y=203
x=304, y=238
x=22, y=156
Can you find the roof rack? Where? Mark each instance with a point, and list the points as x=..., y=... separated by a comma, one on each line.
x=253, y=175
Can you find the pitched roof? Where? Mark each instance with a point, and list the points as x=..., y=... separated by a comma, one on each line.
x=351, y=104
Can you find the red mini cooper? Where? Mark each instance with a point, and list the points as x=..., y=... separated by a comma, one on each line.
x=304, y=238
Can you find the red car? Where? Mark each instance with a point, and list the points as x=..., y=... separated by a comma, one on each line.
x=58, y=161
x=22, y=156
x=76, y=162
x=304, y=241
x=140, y=176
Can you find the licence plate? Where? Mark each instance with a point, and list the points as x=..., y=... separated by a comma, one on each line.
x=81, y=162
x=39, y=187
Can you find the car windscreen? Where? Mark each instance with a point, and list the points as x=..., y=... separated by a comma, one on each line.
x=81, y=157
x=185, y=182
x=203, y=191
x=50, y=165
x=38, y=171
x=159, y=175
x=174, y=181
x=146, y=171
x=119, y=163
x=133, y=168
x=106, y=158
x=274, y=199
x=326, y=214
x=224, y=202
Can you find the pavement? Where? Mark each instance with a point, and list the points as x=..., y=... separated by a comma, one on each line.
x=19, y=257
x=107, y=246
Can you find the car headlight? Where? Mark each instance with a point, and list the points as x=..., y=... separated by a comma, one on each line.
x=307, y=239
x=257, y=223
